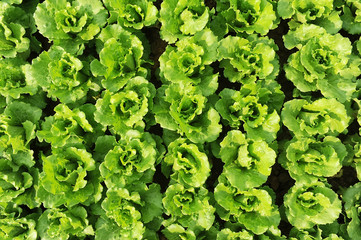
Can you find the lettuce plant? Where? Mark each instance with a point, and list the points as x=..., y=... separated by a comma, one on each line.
x=352, y=199
x=132, y=159
x=320, y=117
x=70, y=126
x=127, y=109
x=315, y=233
x=176, y=231
x=17, y=224
x=120, y=58
x=351, y=16
x=255, y=107
x=321, y=13
x=188, y=207
x=122, y=215
x=252, y=208
x=61, y=74
x=69, y=177
x=189, y=62
x=228, y=234
x=17, y=177
x=246, y=159
x=15, y=28
x=129, y=213
x=12, y=78
x=308, y=159
x=183, y=108
x=135, y=14
x=353, y=145
x=248, y=59
x=182, y=18
x=190, y=166
x=70, y=24
x=63, y=223
x=244, y=16
x=18, y=124
x=323, y=62
x=307, y=205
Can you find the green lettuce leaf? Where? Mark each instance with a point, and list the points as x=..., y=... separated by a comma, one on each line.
x=189, y=62
x=69, y=177
x=255, y=107
x=189, y=164
x=308, y=159
x=307, y=205
x=188, y=207
x=70, y=24
x=120, y=58
x=322, y=13
x=324, y=62
x=183, y=108
x=132, y=159
x=61, y=74
x=246, y=159
x=127, y=109
x=253, y=208
x=320, y=117
x=182, y=18
x=135, y=14
x=63, y=223
x=244, y=16
x=247, y=60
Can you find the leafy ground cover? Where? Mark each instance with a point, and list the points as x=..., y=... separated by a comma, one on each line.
x=216, y=119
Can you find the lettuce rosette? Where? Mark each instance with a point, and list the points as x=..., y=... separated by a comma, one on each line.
x=255, y=107
x=253, y=208
x=130, y=213
x=182, y=18
x=247, y=162
x=64, y=76
x=187, y=162
x=70, y=126
x=323, y=62
x=12, y=79
x=18, y=125
x=189, y=208
x=308, y=159
x=244, y=16
x=16, y=223
x=132, y=14
x=352, y=204
x=127, y=109
x=189, y=62
x=184, y=109
x=307, y=205
x=70, y=23
x=121, y=58
x=16, y=29
x=18, y=177
x=69, y=177
x=246, y=60
x=351, y=16
x=132, y=159
x=322, y=13
x=64, y=223
x=320, y=117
